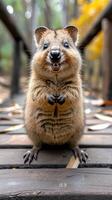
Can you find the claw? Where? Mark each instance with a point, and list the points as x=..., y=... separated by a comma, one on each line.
x=51, y=99
x=30, y=155
x=82, y=155
x=61, y=99
x=26, y=156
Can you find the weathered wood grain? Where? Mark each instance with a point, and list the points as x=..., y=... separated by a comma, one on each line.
x=73, y=184
x=55, y=158
x=46, y=158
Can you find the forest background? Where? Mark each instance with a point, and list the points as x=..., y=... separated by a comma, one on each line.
x=28, y=14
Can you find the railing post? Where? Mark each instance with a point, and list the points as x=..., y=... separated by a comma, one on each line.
x=15, y=82
x=107, y=59
x=82, y=52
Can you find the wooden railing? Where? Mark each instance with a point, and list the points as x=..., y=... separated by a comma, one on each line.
x=104, y=23
x=19, y=45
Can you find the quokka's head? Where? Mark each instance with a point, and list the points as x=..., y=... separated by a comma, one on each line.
x=56, y=50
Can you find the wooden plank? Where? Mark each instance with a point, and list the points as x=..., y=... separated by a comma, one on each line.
x=46, y=158
x=61, y=184
x=86, y=141
x=55, y=158
x=99, y=157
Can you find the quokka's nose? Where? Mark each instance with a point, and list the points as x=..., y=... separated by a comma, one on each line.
x=55, y=55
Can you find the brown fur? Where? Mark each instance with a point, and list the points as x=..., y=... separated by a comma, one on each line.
x=55, y=124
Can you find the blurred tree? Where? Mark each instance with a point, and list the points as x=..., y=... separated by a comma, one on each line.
x=88, y=12
x=28, y=14
x=47, y=14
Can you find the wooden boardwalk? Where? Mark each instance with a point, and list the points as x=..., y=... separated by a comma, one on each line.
x=48, y=177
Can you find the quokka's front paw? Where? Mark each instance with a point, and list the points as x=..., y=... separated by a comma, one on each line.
x=61, y=99
x=51, y=99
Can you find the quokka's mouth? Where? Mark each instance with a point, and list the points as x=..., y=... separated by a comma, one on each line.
x=56, y=66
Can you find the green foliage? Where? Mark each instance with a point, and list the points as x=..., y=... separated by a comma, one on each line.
x=6, y=49
x=56, y=13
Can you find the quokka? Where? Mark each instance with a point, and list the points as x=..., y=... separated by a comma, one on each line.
x=54, y=104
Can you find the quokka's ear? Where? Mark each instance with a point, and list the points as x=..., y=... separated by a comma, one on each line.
x=73, y=31
x=39, y=32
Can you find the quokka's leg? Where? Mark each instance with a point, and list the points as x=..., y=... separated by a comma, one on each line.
x=32, y=154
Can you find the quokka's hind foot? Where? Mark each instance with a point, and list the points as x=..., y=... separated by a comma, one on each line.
x=30, y=155
x=78, y=153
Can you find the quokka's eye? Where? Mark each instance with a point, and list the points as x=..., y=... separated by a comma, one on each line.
x=66, y=45
x=45, y=46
